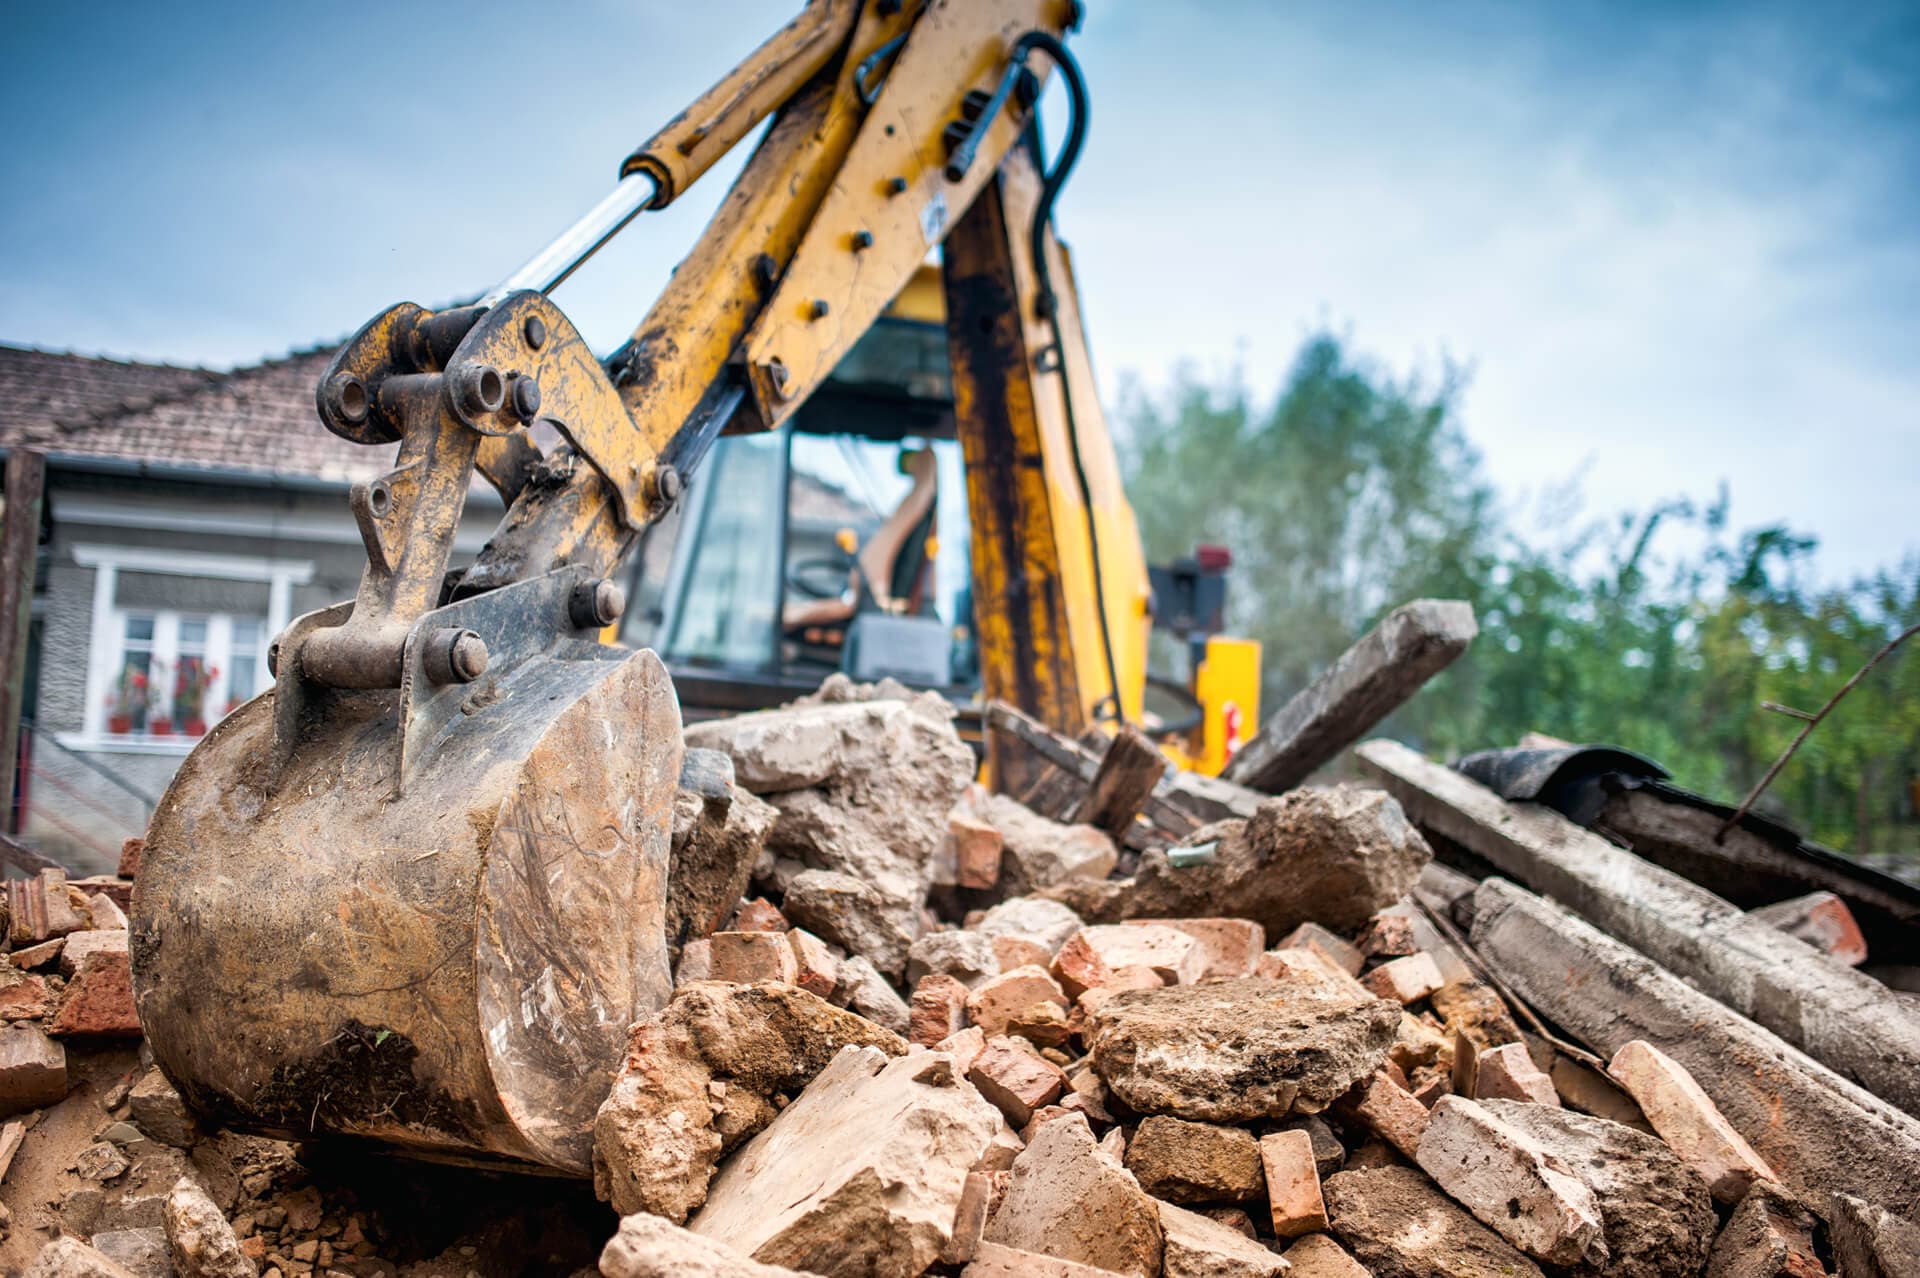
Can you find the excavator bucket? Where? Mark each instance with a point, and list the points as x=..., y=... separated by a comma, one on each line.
x=441, y=951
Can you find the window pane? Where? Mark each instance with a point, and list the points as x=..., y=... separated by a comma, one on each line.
x=139, y=628
x=725, y=614
x=193, y=634
x=132, y=692
x=240, y=680
x=246, y=634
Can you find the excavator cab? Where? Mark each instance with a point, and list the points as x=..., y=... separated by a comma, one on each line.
x=837, y=543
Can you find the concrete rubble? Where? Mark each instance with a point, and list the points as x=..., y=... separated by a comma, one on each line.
x=918, y=1028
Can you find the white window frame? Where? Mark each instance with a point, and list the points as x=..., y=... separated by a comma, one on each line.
x=109, y=622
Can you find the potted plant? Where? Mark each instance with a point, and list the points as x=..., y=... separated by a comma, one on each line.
x=190, y=686
x=127, y=702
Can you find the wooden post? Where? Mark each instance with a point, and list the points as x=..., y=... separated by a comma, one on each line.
x=19, y=546
x=1124, y=782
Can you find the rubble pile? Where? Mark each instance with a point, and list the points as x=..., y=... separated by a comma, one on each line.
x=918, y=1028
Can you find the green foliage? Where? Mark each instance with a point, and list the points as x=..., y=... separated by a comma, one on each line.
x=1352, y=492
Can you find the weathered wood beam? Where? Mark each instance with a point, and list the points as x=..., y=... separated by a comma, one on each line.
x=1847, y=1020
x=1390, y=663
x=1122, y=784
x=1822, y=1134
x=19, y=544
x=1081, y=764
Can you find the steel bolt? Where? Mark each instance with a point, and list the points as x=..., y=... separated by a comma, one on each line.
x=777, y=376
x=862, y=240
x=454, y=655
x=819, y=308
x=535, y=331
x=526, y=398
x=478, y=390
x=666, y=485
x=594, y=604
x=896, y=186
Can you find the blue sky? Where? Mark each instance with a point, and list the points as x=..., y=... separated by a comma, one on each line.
x=1675, y=245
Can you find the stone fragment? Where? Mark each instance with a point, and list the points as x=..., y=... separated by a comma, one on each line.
x=1231, y=947
x=759, y=915
x=1329, y=1155
x=1043, y=1024
x=966, y=955
x=71, y=1258
x=1823, y=921
x=1656, y=1214
x=1198, y=1246
x=1237, y=1051
x=1037, y=852
x=1182, y=1162
x=23, y=995
x=1398, y=1224
x=1405, y=980
x=714, y=845
x=1234, y=1218
x=696, y=963
x=1067, y=1199
x=106, y=911
x=1512, y=1183
x=1389, y=1111
x=969, y=1218
x=938, y=1009
x=991, y=1260
x=1769, y=1234
x=99, y=1000
x=142, y=1251
x=650, y=1246
x=1871, y=1242
x=860, y=1175
x=661, y=1129
x=1334, y=855
x=1079, y=967
x=854, y=915
x=1336, y=949
x=1016, y=1080
x=964, y=1047
x=33, y=1069
x=816, y=970
x=202, y=1242
x=1010, y=952
x=1319, y=1256
x=998, y=999
x=1474, y=1009
x=976, y=850
x=1387, y=936
x=37, y=956
x=1688, y=1120
x=1047, y=922
x=1293, y=1183
x=746, y=957
x=1420, y=1045
x=156, y=1108
x=1507, y=1072
x=870, y=994
x=1586, y=1089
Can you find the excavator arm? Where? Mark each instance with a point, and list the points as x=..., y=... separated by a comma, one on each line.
x=426, y=874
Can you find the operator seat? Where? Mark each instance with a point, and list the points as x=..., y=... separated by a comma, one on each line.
x=901, y=538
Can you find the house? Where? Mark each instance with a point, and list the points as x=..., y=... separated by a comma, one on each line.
x=190, y=514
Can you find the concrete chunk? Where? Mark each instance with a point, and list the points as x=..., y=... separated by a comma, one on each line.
x=650, y=1246
x=1399, y=1225
x=1768, y=1235
x=991, y=1260
x=1068, y=1200
x=1512, y=1183
x=864, y=990
x=202, y=1242
x=71, y=1258
x=33, y=1069
x=1319, y=1256
x=1870, y=1241
x=861, y=1175
x=1688, y=1120
x=966, y=955
x=1237, y=1051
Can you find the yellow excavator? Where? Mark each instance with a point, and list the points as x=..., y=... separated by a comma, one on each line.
x=414, y=892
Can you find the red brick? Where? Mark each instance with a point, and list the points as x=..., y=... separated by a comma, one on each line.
x=999, y=998
x=1687, y=1119
x=1293, y=1183
x=33, y=1069
x=1016, y=1080
x=1010, y=952
x=938, y=1009
x=1387, y=936
x=23, y=996
x=1389, y=1111
x=759, y=915
x=99, y=1000
x=43, y=908
x=1507, y=1072
x=746, y=957
x=1405, y=980
x=976, y=852
x=964, y=1047
x=817, y=971
x=130, y=852
x=1175, y=956
x=1232, y=946
x=1079, y=968
x=696, y=962
x=38, y=955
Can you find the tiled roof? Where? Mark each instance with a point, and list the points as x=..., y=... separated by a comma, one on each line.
x=259, y=418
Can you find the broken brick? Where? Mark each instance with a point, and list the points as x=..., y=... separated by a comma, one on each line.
x=938, y=1009
x=1015, y=1079
x=1340, y=952
x=33, y=1069
x=1175, y=957
x=1405, y=980
x=1512, y=1184
x=976, y=848
x=816, y=970
x=964, y=1047
x=1387, y=936
x=999, y=998
x=1508, y=1072
x=1688, y=1120
x=1231, y=947
x=99, y=1000
x=746, y=957
x=1183, y=1162
x=1389, y=1111
x=1010, y=952
x=1768, y=1235
x=42, y=908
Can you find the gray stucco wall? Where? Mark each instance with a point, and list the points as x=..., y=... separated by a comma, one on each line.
x=75, y=813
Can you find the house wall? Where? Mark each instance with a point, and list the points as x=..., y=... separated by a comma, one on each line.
x=88, y=789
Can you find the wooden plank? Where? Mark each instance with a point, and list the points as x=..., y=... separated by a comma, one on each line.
x=25, y=859
x=1821, y=1133
x=19, y=545
x=1081, y=764
x=1842, y=1018
x=1123, y=783
x=1390, y=663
